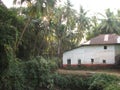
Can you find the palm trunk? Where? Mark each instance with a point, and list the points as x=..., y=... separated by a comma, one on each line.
x=19, y=40
x=59, y=47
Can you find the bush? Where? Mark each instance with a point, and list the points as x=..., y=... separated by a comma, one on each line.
x=70, y=82
x=77, y=82
x=113, y=86
x=38, y=71
x=30, y=75
x=100, y=81
x=53, y=63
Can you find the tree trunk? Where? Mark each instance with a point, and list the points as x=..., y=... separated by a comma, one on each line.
x=19, y=40
x=59, y=47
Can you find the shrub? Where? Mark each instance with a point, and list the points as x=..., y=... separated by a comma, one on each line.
x=29, y=75
x=53, y=63
x=113, y=86
x=70, y=82
x=100, y=81
x=13, y=78
x=38, y=71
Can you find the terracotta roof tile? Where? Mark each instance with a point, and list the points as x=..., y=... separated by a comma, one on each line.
x=104, y=39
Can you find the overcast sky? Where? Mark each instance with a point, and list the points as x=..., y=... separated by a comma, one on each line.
x=94, y=6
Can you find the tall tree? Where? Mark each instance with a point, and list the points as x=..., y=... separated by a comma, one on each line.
x=109, y=24
x=64, y=20
x=38, y=8
x=83, y=24
x=94, y=23
x=9, y=30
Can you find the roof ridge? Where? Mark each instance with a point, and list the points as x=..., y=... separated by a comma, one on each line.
x=103, y=39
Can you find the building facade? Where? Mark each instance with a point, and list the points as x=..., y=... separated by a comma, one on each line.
x=102, y=50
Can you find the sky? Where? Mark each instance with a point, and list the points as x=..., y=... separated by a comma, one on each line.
x=8, y=3
x=94, y=6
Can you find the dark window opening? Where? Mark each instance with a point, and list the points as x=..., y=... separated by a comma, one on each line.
x=104, y=61
x=92, y=60
x=69, y=61
x=105, y=47
x=79, y=61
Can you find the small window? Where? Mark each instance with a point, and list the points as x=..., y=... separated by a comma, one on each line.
x=105, y=47
x=69, y=61
x=79, y=61
x=92, y=60
x=104, y=61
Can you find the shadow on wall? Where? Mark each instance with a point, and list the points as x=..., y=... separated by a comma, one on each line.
x=117, y=60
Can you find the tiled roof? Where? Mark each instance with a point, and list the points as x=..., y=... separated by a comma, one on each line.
x=104, y=39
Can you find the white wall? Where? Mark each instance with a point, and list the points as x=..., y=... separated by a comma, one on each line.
x=86, y=53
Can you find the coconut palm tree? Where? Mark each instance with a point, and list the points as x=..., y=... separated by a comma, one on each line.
x=64, y=20
x=83, y=23
x=109, y=24
x=38, y=8
x=93, y=31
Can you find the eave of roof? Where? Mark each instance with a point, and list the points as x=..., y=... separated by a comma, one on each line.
x=91, y=45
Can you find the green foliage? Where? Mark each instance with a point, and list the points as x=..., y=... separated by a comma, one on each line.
x=100, y=81
x=95, y=82
x=8, y=35
x=12, y=77
x=29, y=75
x=70, y=81
x=53, y=63
x=113, y=86
x=8, y=28
x=39, y=70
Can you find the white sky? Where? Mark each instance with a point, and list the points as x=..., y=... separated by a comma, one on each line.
x=94, y=6
x=8, y=3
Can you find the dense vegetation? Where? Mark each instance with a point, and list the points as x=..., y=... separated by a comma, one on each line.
x=95, y=82
x=33, y=38
x=31, y=75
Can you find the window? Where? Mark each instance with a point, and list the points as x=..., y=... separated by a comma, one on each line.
x=105, y=47
x=79, y=61
x=104, y=61
x=92, y=60
x=69, y=61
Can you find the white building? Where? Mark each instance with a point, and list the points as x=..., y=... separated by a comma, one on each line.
x=103, y=50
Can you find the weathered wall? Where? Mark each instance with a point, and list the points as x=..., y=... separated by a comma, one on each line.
x=117, y=50
x=86, y=53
